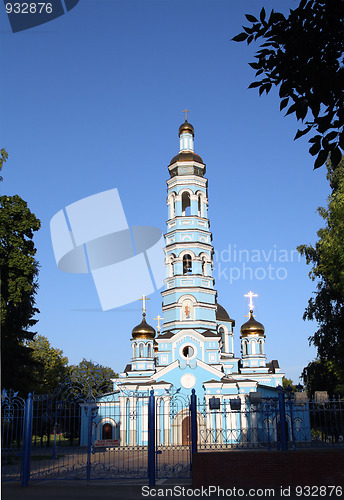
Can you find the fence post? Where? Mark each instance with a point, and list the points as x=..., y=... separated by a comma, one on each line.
x=27, y=440
x=89, y=443
x=283, y=421
x=151, y=439
x=193, y=409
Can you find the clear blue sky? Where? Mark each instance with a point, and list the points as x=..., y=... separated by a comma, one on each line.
x=93, y=101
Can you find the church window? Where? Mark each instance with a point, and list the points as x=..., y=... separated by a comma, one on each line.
x=149, y=351
x=186, y=203
x=187, y=264
x=141, y=351
x=188, y=351
x=171, y=265
x=172, y=206
x=199, y=206
x=244, y=348
x=261, y=347
x=204, y=267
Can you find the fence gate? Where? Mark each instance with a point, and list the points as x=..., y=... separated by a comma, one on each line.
x=173, y=436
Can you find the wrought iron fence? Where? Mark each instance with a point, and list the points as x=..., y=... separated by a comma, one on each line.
x=285, y=422
x=85, y=434
x=12, y=434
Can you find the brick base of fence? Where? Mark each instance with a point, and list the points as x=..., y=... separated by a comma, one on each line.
x=242, y=469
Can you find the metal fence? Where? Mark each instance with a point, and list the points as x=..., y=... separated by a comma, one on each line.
x=79, y=433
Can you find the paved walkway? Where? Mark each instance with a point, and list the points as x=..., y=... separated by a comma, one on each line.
x=105, y=490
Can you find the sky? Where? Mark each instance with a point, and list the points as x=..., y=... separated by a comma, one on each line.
x=93, y=101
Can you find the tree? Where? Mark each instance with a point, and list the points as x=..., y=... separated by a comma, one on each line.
x=321, y=375
x=327, y=258
x=19, y=270
x=3, y=158
x=51, y=365
x=287, y=382
x=92, y=377
x=303, y=55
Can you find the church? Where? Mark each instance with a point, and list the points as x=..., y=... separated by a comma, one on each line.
x=194, y=346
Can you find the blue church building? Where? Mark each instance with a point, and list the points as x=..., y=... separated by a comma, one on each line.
x=194, y=347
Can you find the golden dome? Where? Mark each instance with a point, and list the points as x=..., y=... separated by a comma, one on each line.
x=252, y=327
x=143, y=330
x=186, y=127
x=186, y=156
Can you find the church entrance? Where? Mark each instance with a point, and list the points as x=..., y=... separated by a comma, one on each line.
x=186, y=431
x=107, y=431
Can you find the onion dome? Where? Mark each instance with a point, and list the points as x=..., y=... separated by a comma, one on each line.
x=186, y=127
x=143, y=330
x=252, y=327
x=186, y=156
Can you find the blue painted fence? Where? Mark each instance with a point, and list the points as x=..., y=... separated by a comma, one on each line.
x=78, y=434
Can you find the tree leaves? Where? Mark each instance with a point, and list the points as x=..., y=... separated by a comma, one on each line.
x=326, y=307
x=240, y=38
x=19, y=270
x=251, y=18
x=302, y=54
x=3, y=159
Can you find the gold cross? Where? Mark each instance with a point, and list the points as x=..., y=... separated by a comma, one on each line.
x=158, y=318
x=250, y=295
x=186, y=111
x=144, y=298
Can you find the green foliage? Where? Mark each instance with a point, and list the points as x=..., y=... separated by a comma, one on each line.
x=51, y=365
x=95, y=377
x=19, y=270
x=321, y=375
x=287, y=382
x=3, y=158
x=302, y=54
x=327, y=258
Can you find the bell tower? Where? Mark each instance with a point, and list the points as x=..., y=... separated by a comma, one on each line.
x=189, y=299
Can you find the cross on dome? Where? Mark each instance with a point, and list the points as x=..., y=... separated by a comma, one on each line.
x=186, y=111
x=158, y=318
x=250, y=295
x=144, y=298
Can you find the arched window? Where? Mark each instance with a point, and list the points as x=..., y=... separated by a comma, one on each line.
x=186, y=203
x=244, y=348
x=260, y=347
x=204, y=267
x=107, y=431
x=253, y=347
x=187, y=264
x=171, y=265
x=199, y=206
x=149, y=351
x=172, y=206
x=141, y=351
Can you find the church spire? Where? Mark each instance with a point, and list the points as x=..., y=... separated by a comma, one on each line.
x=186, y=135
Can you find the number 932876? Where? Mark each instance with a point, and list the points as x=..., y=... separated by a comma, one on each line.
x=29, y=8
